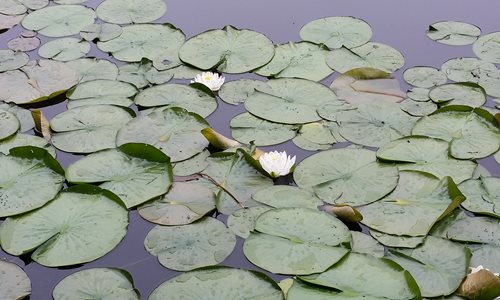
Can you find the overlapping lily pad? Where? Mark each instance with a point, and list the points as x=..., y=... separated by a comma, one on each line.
x=9, y=21
x=126, y=11
x=10, y=60
x=453, y=33
x=22, y=114
x=64, y=49
x=14, y=283
x=207, y=242
x=237, y=91
x=20, y=140
x=346, y=176
x=82, y=224
x=364, y=243
x=486, y=47
x=281, y=196
x=90, y=69
x=417, y=203
x=9, y=124
x=17, y=7
x=472, y=132
x=424, y=77
x=418, y=108
x=88, y=128
x=462, y=93
x=467, y=69
x=228, y=50
x=105, y=283
x=242, y=221
x=134, y=172
x=175, y=131
x=219, y=283
x=101, y=91
x=296, y=241
x=143, y=73
x=483, y=195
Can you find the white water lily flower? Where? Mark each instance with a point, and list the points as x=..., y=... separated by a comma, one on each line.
x=212, y=80
x=277, y=163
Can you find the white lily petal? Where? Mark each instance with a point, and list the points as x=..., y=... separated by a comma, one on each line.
x=212, y=80
x=277, y=163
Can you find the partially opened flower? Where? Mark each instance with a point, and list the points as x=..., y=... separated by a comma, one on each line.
x=212, y=80
x=277, y=163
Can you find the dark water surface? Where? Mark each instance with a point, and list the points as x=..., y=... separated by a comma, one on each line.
x=400, y=24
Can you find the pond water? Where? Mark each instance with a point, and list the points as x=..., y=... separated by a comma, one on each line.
x=400, y=24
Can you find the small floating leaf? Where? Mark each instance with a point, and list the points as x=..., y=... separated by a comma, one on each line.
x=453, y=33
x=14, y=283
x=425, y=77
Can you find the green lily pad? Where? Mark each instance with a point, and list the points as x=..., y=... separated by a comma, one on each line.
x=101, y=92
x=192, y=165
x=82, y=224
x=88, y=128
x=31, y=177
x=337, y=32
x=219, y=283
x=429, y=155
x=101, y=32
x=14, y=283
x=434, y=275
x=10, y=60
x=490, y=81
x=228, y=50
x=300, y=60
x=126, y=12
x=462, y=93
x=387, y=279
x=17, y=7
x=296, y=241
x=291, y=101
x=418, y=108
x=318, y=136
x=108, y=283
x=37, y=81
x=485, y=255
x=207, y=242
x=134, y=172
x=246, y=128
x=175, y=131
x=346, y=176
x=417, y=203
x=9, y=124
x=375, y=123
x=184, y=203
x=64, y=49
x=143, y=74
x=9, y=21
x=472, y=132
x=467, y=69
x=483, y=195
x=22, y=114
x=89, y=69
x=301, y=290
x=486, y=47
x=281, y=196
x=453, y=33
x=20, y=140
x=419, y=94
x=369, y=55
x=242, y=221
x=59, y=20
x=192, y=98
x=399, y=241
x=237, y=174
x=424, y=77
x=364, y=243
x=237, y=91
x=143, y=41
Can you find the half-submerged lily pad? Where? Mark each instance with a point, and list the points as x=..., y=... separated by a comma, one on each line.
x=134, y=172
x=467, y=69
x=11, y=60
x=453, y=33
x=14, y=283
x=184, y=203
x=398, y=241
x=346, y=176
x=472, y=132
x=219, y=283
x=88, y=128
x=175, y=131
x=108, y=283
x=297, y=241
x=20, y=140
x=192, y=165
x=30, y=178
x=418, y=108
x=364, y=243
x=483, y=195
x=229, y=50
x=207, y=242
x=126, y=11
x=101, y=91
x=82, y=224
x=23, y=115
x=101, y=32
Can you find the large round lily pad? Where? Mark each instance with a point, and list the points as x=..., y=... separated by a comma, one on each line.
x=193, y=98
x=107, y=283
x=462, y=93
x=472, y=132
x=59, y=20
x=134, y=172
x=229, y=50
x=290, y=101
x=207, y=242
x=14, y=283
x=281, y=196
x=101, y=91
x=82, y=224
x=242, y=221
x=30, y=178
x=218, y=283
x=184, y=203
x=194, y=164
x=483, y=195
x=453, y=33
x=237, y=91
x=89, y=128
x=419, y=201
x=337, y=32
x=386, y=278
x=434, y=275
x=346, y=176
x=428, y=155
x=9, y=124
x=175, y=131
x=127, y=11
x=296, y=241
